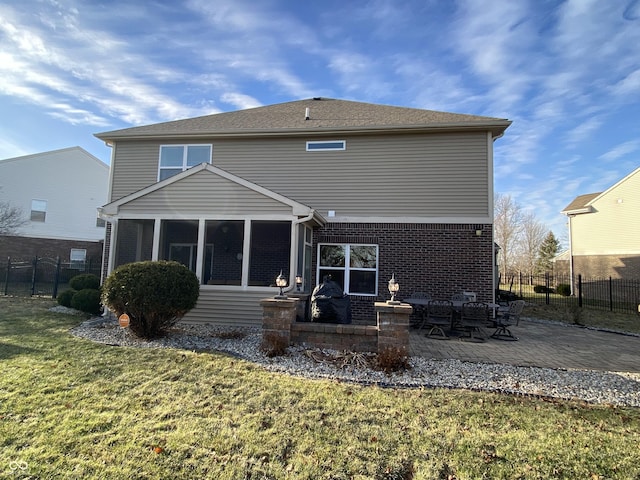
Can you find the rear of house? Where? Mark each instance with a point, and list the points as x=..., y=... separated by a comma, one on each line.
x=311, y=188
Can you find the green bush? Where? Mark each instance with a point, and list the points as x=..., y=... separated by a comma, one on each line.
x=87, y=300
x=64, y=298
x=542, y=289
x=563, y=289
x=155, y=295
x=85, y=280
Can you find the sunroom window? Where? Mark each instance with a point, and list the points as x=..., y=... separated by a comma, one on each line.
x=354, y=267
x=270, y=251
x=178, y=158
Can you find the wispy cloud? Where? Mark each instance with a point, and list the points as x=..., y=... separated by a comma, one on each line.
x=620, y=151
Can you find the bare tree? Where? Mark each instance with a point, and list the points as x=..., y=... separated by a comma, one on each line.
x=507, y=225
x=11, y=218
x=532, y=236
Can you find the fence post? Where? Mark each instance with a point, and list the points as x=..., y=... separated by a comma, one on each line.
x=580, y=290
x=56, y=279
x=6, y=278
x=546, y=289
x=33, y=275
x=520, y=284
x=610, y=294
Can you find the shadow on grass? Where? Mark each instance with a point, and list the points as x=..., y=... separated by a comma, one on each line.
x=9, y=350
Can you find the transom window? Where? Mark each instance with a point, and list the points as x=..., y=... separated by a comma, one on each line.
x=323, y=146
x=354, y=267
x=178, y=158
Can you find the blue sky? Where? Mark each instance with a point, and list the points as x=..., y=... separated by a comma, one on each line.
x=567, y=73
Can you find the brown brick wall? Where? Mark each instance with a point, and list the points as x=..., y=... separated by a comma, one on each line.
x=25, y=248
x=615, y=266
x=439, y=259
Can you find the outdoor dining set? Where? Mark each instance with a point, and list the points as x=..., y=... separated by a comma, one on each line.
x=463, y=317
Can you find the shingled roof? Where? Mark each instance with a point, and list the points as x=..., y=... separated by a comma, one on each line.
x=580, y=204
x=324, y=115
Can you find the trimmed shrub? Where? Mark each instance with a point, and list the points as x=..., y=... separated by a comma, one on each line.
x=563, y=289
x=87, y=300
x=64, y=298
x=542, y=289
x=155, y=295
x=84, y=281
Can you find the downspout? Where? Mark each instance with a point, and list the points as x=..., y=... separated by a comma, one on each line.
x=571, y=255
x=292, y=261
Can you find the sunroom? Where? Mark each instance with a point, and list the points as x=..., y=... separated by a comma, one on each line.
x=236, y=236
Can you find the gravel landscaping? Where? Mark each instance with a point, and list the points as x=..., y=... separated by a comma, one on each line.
x=613, y=388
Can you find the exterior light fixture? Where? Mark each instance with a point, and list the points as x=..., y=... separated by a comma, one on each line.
x=299, y=282
x=394, y=286
x=478, y=232
x=281, y=282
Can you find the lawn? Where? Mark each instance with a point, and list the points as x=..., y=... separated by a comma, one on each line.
x=70, y=408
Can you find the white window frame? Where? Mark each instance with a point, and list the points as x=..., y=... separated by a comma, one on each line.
x=185, y=150
x=347, y=268
x=76, y=263
x=38, y=210
x=328, y=147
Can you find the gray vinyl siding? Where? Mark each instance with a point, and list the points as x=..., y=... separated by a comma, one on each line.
x=446, y=174
x=205, y=194
x=222, y=307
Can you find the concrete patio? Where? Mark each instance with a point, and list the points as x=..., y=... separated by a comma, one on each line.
x=540, y=344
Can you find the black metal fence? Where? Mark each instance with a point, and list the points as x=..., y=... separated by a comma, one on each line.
x=615, y=295
x=41, y=276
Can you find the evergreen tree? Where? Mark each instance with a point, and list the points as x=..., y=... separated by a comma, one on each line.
x=548, y=250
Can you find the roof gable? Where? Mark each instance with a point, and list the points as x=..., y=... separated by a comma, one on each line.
x=317, y=115
x=584, y=203
x=296, y=208
x=580, y=204
x=72, y=153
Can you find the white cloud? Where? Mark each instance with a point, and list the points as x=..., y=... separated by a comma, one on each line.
x=629, y=85
x=583, y=131
x=620, y=151
x=240, y=100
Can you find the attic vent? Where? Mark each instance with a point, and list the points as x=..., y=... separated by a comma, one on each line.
x=317, y=98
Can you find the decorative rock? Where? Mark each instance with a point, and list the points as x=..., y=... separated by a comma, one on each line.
x=615, y=388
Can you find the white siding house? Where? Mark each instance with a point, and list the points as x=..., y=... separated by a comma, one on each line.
x=58, y=192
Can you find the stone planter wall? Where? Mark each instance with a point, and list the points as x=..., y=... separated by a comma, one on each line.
x=391, y=331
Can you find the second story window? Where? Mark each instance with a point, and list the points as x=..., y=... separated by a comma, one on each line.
x=38, y=210
x=178, y=158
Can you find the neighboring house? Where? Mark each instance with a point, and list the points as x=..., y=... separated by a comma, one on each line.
x=604, y=231
x=311, y=187
x=560, y=263
x=59, y=193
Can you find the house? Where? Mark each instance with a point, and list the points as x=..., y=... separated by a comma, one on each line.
x=58, y=192
x=311, y=188
x=604, y=231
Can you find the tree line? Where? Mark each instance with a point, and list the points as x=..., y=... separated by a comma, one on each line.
x=526, y=244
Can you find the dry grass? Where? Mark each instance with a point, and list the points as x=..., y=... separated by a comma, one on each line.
x=72, y=409
x=585, y=316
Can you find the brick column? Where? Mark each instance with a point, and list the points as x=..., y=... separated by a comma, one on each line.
x=393, y=326
x=277, y=317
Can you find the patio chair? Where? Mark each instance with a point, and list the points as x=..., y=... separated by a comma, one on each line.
x=473, y=318
x=508, y=319
x=419, y=309
x=439, y=315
